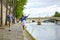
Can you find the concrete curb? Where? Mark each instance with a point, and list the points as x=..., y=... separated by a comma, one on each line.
x=30, y=34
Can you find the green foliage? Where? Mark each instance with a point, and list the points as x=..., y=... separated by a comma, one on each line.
x=10, y=2
x=57, y=14
x=19, y=7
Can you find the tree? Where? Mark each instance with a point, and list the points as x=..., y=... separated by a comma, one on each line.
x=6, y=11
x=1, y=12
x=10, y=4
x=17, y=7
x=57, y=14
x=20, y=7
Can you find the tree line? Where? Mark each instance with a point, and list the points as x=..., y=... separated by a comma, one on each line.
x=57, y=14
x=15, y=7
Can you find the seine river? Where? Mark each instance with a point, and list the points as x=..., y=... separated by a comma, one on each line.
x=45, y=31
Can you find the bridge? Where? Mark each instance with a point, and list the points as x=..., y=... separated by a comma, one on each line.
x=41, y=19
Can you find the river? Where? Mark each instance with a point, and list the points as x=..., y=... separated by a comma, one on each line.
x=45, y=31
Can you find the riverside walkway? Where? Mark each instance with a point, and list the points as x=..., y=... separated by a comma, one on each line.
x=16, y=33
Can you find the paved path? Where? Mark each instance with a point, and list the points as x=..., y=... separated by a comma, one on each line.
x=16, y=33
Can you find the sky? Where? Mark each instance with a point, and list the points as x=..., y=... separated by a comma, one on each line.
x=41, y=8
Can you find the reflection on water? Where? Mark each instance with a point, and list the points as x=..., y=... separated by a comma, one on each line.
x=46, y=31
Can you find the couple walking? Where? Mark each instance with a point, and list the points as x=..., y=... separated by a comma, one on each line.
x=10, y=19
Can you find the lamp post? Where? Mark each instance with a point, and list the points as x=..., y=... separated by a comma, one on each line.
x=39, y=23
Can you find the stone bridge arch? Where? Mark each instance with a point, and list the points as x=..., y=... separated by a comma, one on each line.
x=41, y=19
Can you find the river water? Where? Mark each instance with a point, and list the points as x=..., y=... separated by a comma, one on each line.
x=45, y=31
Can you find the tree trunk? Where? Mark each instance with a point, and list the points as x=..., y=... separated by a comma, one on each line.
x=1, y=13
x=14, y=9
x=6, y=11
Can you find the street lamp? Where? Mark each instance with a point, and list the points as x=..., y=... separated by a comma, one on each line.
x=39, y=23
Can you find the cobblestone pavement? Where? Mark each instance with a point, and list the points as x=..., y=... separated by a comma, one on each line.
x=16, y=33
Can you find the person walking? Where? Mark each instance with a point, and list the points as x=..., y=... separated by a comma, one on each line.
x=10, y=19
x=23, y=20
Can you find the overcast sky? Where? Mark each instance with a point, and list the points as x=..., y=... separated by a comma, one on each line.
x=41, y=8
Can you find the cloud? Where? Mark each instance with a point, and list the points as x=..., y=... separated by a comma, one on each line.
x=41, y=3
x=34, y=4
x=42, y=7
x=44, y=11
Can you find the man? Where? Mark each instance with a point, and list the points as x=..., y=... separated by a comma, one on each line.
x=10, y=18
x=23, y=20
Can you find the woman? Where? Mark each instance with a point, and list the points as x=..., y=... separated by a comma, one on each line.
x=23, y=20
